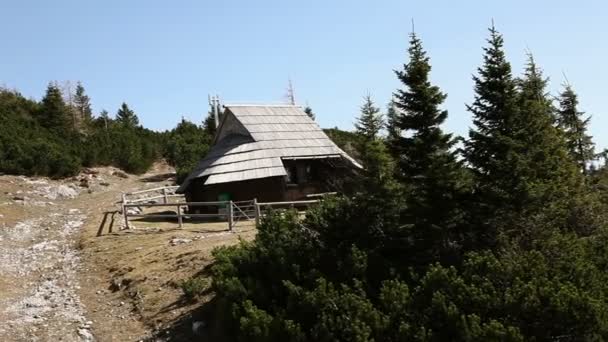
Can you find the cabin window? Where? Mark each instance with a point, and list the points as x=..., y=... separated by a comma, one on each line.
x=292, y=175
x=312, y=172
x=309, y=173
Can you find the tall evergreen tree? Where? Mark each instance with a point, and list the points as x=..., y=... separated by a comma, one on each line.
x=82, y=102
x=53, y=111
x=539, y=164
x=494, y=111
x=574, y=126
x=127, y=117
x=370, y=122
x=309, y=112
x=521, y=166
x=427, y=165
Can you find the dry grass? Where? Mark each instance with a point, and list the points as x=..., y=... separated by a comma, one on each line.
x=145, y=266
x=130, y=279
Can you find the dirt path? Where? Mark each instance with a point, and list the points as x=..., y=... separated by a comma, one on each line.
x=39, y=262
x=66, y=274
x=39, y=256
x=41, y=226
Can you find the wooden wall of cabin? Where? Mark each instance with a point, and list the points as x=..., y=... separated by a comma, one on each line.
x=270, y=189
x=307, y=176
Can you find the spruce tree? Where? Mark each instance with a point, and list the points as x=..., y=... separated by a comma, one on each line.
x=540, y=163
x=370, y=122
x=126, y=117
x=82, y=103
x=371, y=150
x=309, y=112
x=494, y=111
x=574, y=127
x=427, y=165
x=521, y=166
x=53, y=111
x=209, y=125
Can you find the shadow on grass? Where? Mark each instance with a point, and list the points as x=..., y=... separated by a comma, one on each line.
x=207, y=315
x=104, y=221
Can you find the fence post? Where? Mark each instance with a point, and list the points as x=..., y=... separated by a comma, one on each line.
x=256, y=207
x=179, y=216
x=124, y=211
x=165, y=195
x=230, y=217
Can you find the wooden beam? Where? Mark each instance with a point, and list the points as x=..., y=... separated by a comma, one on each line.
x=230, y=216
x=124, y=211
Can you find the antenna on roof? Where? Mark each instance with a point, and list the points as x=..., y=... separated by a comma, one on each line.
x=290, y=93
x=214, y=103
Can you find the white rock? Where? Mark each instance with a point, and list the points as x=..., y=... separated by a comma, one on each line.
x=85, y=334
x=179, y=241
x=56, y=192
x=134, y=211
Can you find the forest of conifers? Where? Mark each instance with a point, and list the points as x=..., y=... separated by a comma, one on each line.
x=498, y=236
x=58, y=135
x=501, y=235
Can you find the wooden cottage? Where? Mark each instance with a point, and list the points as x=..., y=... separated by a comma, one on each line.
x=269, y=152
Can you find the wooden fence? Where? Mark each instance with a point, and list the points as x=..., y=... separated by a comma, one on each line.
x=151, y=195
x=231, y=211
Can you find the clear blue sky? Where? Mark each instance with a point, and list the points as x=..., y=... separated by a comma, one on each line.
x=164, y=57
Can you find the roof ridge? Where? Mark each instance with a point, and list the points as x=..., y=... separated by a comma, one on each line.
x=262, y=105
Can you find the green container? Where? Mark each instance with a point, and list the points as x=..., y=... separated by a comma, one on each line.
x=224, y=196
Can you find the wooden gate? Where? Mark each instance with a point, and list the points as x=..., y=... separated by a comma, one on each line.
x=243, y=211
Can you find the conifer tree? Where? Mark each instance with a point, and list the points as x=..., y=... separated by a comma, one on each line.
x=539, y=164
x=309, y=112
x=53, y=112
x=209, y=125
x=494, y=111
x=571, y=122
x=82, y=103
x=370, y=122
x=371, y=150
x=126, y=117
x=518, y=157
x=186, y=145
x=427, y=166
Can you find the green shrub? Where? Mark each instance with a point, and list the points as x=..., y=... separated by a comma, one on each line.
x=194, y=287
x=322, y=279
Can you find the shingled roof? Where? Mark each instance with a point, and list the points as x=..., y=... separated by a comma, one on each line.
x=252, y=140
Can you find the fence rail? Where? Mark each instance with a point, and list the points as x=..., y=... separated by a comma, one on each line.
x=232, y=211
x=164, y=193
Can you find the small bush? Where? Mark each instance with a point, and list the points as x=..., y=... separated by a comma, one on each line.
x=194, y=287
